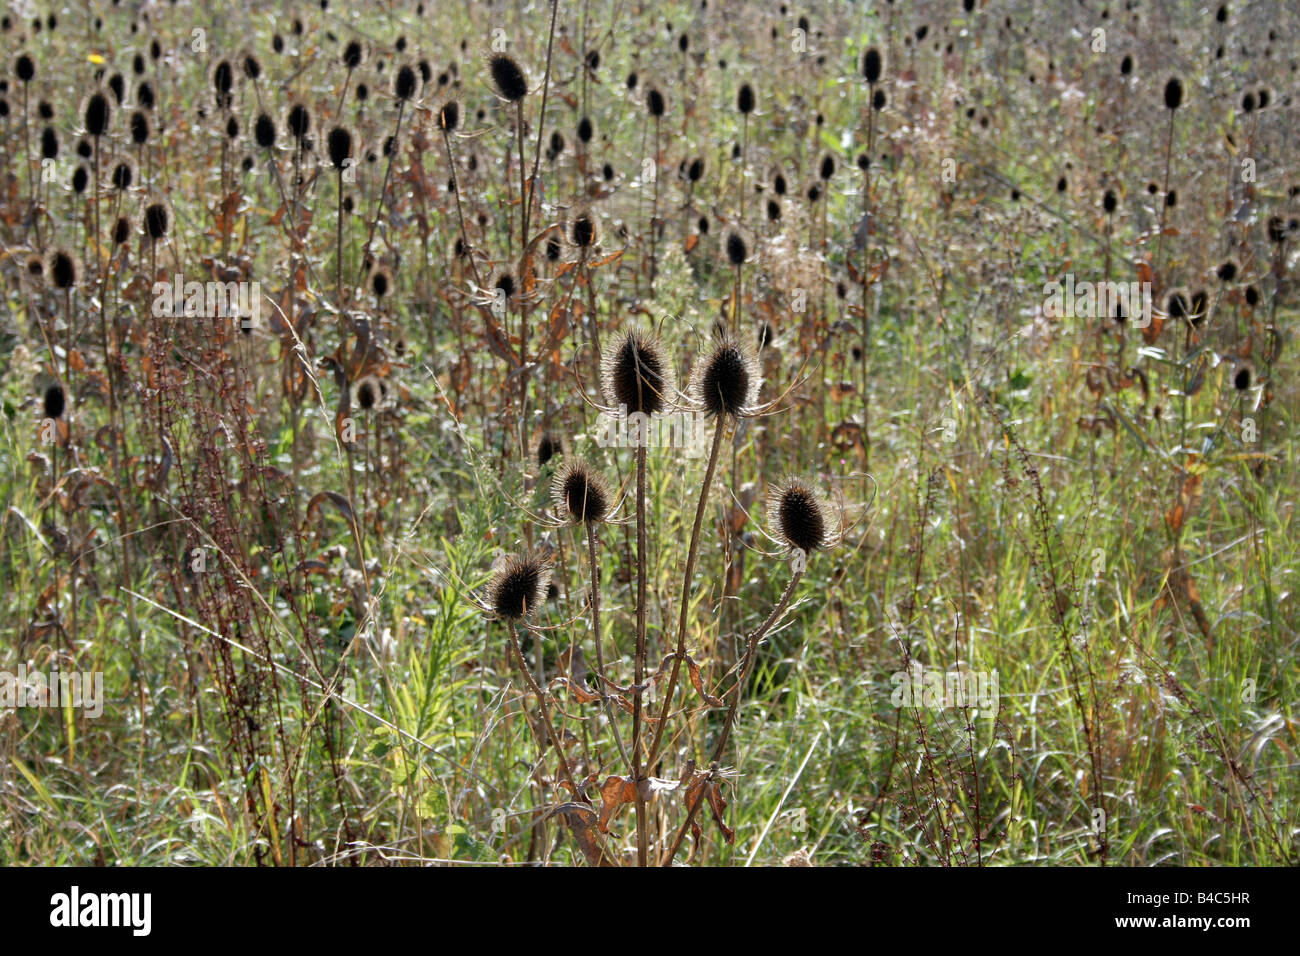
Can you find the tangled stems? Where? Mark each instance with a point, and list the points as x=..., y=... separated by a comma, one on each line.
x=595, y=627
x=747, y=665
x=691, y=555
x=541, y=702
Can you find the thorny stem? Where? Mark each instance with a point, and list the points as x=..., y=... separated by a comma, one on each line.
x=639, y=667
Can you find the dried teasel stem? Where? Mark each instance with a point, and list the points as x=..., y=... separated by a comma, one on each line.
x=541, y=703
x=692, y=554
x=747, y=665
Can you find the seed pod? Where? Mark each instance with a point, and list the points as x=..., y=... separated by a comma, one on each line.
x=799, y=516
x=518, y=587
x=635, y=374
x=581, y=493
x=726, y=381
x=508, y=78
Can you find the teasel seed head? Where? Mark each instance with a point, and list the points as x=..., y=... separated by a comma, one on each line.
x=97, y=112
x=871, y=65
x=726, y=381
x=583, y=232
x=1242, y=378
x=745, y=99
x=62, y=270
x=54, y=401
x=585, y=129
x=508, y=77
x=340, y=146
x=264, y=131
x=156, y=220
x=1173, y=93
x=449, y=116
x=799, y=516
x=548, y=446
x=298, y=122
x=581, y=493
x=223, y=81
x=636, y=375
x=654, y=101
x=140, y=129
x=1227, y=270
x=519, y=585
x=736, y=248
x=404, y=84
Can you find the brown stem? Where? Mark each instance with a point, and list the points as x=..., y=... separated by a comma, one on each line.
x=747, y=665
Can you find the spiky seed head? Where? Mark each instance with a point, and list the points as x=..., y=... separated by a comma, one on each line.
x=264, y=131
x=878, y=100
x=548, y=446
x=635, y=374
x=828, y=166
x=121, y=230
x=54, y=401
x=695, y=170
x=449, y=116
x=799, y=516
x=737, y=251
x=1173, y=93
x=745, y=99
x=581, y=493
x=1227, y=270
x=1126, y=65
x=140, y=127
x=62, y=270
x=871, y=65
x=508, y=77
x=726, y=381
x=654, y=102
x=352, y=55
x=584, y=231
x=404, y=85
x=340, y=146
x=1109, y=201
x=97, y=113
x=299, y=122
x=25, y=68
x=1241, y=379
x=157, y=220
x=518, y=586
x=585, y=129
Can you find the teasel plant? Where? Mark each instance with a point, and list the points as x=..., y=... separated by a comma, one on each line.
x=637, y=379
x=872, y=67
x=404, y=89
x=514, y=594
x=655, y=106
x=724, y=388
x=1173, y=100
x=801, y=523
